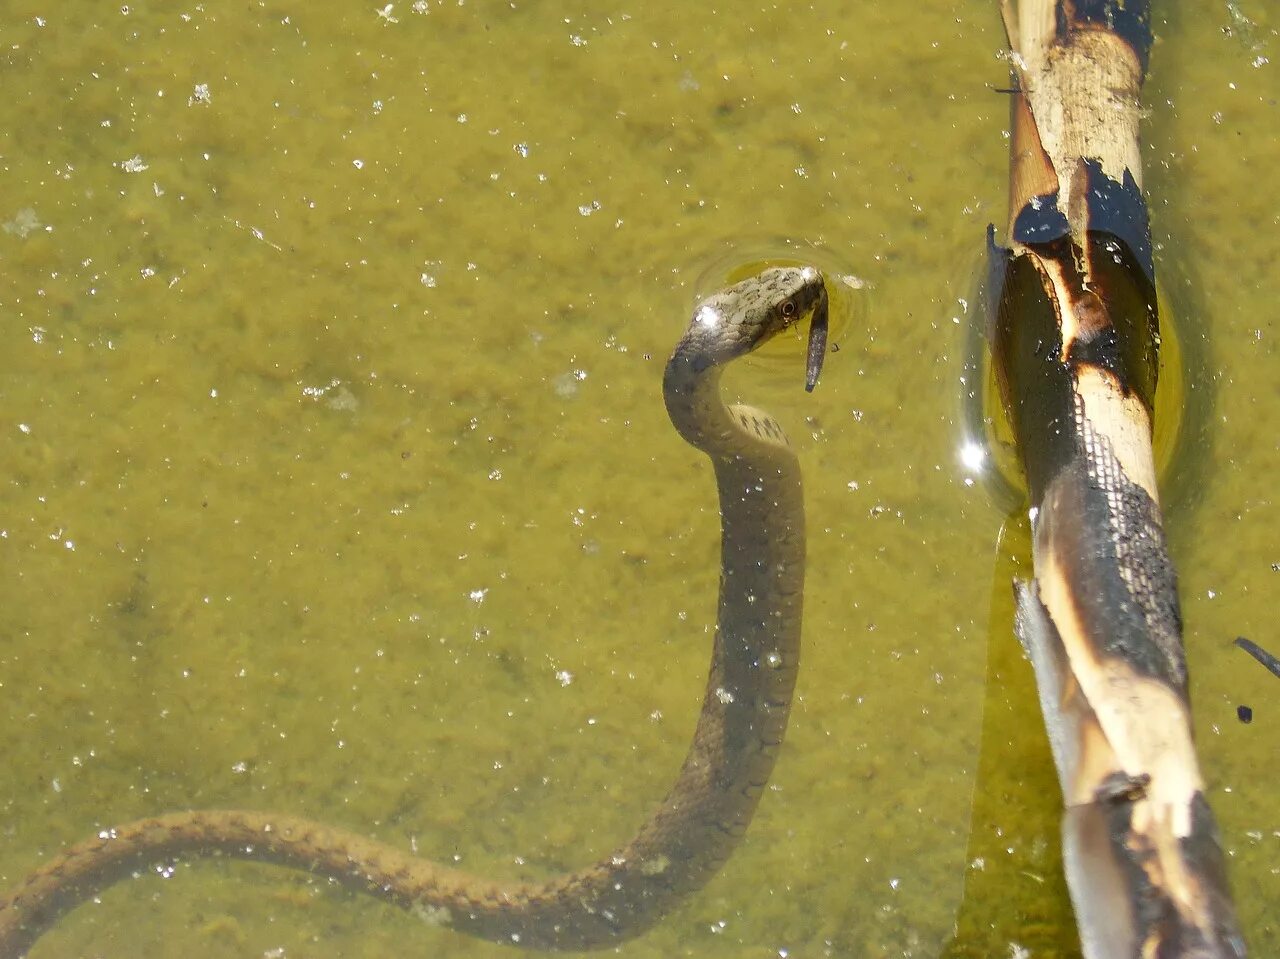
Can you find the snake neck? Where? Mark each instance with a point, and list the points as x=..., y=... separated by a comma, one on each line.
x=691, y=389
x=762, y=558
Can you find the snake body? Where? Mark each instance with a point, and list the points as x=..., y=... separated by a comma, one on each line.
x=739, y=732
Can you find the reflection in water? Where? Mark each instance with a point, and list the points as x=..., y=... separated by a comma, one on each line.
x=1015, y=893
x=986, y=449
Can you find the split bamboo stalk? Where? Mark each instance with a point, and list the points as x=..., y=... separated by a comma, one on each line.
x=1075, y=337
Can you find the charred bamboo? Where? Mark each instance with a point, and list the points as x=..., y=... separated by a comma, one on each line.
x=1075, y=338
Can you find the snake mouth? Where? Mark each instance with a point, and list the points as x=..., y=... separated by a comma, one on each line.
x=817, y=342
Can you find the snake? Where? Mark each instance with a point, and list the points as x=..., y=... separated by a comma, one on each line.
x=739, y=732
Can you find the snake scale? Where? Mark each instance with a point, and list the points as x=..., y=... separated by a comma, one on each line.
x=739, y=732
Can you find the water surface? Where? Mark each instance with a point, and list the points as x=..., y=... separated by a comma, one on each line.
x=338, y=481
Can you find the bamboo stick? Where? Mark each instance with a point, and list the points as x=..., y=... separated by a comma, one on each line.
x=1075, y=340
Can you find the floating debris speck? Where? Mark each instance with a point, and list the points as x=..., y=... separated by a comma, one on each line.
x=24, y=222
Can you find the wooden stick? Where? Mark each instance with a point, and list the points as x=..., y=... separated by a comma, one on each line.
x=1075, y=338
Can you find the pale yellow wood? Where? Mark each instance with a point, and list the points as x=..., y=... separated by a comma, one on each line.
x=1145, y=724
x=1123, y=421
x=1082, y=96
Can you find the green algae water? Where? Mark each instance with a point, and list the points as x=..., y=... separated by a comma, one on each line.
x=336, y=478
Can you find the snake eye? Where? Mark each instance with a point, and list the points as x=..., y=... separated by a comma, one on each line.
x=787, y=309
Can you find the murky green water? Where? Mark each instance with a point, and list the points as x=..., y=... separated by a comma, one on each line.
x=337, y=480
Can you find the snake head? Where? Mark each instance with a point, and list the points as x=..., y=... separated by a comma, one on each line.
x=743, y=317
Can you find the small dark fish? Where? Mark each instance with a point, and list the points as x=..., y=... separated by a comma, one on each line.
x=1260, y=654
x=817, y=344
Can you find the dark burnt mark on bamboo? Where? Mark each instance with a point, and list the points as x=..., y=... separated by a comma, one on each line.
x=1202, y=851
x=1161, y=925
x=1120, y=787
x=1040, y=221
x=1117, y=207
x=1104, y=532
